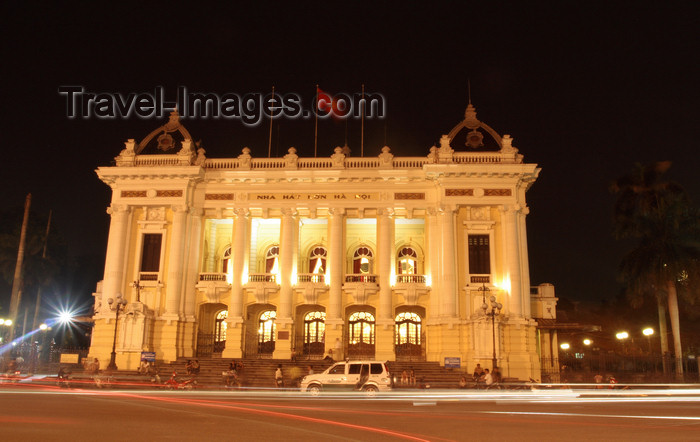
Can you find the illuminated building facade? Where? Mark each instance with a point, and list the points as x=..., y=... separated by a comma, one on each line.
x=381, y=257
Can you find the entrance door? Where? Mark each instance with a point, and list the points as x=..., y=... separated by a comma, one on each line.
x=314, y=334
x=220, y=331
x=408, y=339
x=361, y=330
x=266, y=333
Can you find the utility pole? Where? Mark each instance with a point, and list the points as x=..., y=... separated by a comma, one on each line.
x=35, y=322
x=17, y=280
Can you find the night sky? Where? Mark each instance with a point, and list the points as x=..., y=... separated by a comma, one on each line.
x=586, y=90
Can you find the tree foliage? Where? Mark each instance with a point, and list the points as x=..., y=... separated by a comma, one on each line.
x=659, y=215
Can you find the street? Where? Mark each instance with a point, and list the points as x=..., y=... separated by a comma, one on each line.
x=47, y=413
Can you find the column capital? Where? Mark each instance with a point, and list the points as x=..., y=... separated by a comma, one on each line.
x=432, y=211
x=241, y=212
x=447, y=208
x=118, y=208
x=336, y=211
x=288, y=212
x=385, y=212
x=181, y=208
x=515, y=208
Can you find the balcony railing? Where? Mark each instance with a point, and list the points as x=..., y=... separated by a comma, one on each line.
x=411, y=279
x=311, y=277
x=480, y=279
x=262, y=277
x=212, y=277
x=148, y=276
x=361, y=277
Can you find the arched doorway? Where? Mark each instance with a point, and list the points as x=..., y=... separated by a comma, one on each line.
x=266, y=332
x=361, y=335
x=408, y=336
x=314, y=334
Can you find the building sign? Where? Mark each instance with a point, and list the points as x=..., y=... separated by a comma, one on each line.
x=316, y=196
x=149, y=356
x=70, y=358
x=283, y=335
x=452, y=363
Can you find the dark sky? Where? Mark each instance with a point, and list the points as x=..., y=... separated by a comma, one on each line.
x=585, y=89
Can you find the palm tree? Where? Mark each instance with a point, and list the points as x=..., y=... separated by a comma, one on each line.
x=666, y=261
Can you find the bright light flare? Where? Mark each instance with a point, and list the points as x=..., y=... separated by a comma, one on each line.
x=565, y=346
x=622, y=335
x=65, y=317
x=648, y=331
x=587, y=342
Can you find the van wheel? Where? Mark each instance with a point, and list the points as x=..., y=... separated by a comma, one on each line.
x=370, y=390
x=314, y=390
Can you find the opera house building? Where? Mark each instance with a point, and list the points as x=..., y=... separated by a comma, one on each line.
x=388, y=257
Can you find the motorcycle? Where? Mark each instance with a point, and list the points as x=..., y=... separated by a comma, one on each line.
x=185, y=384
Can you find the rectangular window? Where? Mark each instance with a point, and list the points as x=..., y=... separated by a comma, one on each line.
x=479, y=255
x=150, y=253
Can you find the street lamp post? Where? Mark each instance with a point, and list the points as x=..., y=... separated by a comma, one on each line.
x=120, y=304
x=495, y=310
x=137, y=285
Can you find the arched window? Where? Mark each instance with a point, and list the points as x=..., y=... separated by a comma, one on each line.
x=272, y=264
x=408, y=259
x=408, y=329
x=317, y=260
x=220, y=331
x=362, y=260
x=226, y=261
x=361, y=328
x=314, y=327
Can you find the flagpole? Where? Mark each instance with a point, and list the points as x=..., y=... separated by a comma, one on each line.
x=362, y=130
x=272, y=111
x=316, y=124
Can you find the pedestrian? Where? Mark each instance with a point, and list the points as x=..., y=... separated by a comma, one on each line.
x=496, y=374
x=188, y=366
x=404, y=378
x=195, y=366
x=95, y=366
x=478, y=372
x=487, y=378
x=364, y=377
x=412, y=378
x=279, y=379
x=463, y=382
x=598, y=378
x=310, y=370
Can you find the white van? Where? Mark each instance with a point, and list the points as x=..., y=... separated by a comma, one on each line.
x=345, y=376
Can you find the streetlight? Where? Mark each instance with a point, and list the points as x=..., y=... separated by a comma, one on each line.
x=565, y=346
x=648, y=332
x=121, y=304
x=137, y=285
x=495, y=310
x=587, y=342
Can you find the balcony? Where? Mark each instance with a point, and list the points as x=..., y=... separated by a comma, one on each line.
x=411, y=279
x=411, y=287
x=361, y=277
x=215, y=286
x=262, y=285
x=361, y=286
x=311, y=285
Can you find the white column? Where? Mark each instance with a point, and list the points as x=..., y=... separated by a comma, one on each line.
x=433, y=267
x=336, y=225
x=238, y=262
x=288, y=244
x=385, y=246
x=175, y=262
x=448, y=275
x=512, y=245
x=115, y=258
x=524, y=262
x=193, y=261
